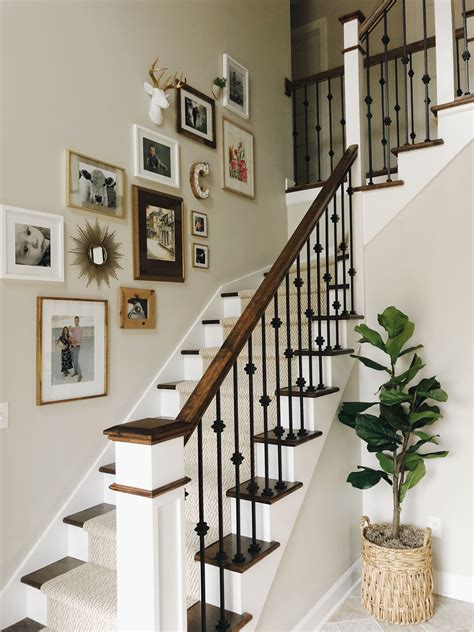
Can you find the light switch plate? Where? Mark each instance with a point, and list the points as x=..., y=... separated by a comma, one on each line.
x=3, y=415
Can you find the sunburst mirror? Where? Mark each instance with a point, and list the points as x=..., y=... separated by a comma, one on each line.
x=97, y=253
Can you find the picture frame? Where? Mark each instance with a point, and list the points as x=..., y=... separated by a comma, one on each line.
x=156, y=157
x=199, y=224
x=31, y=245
x=236, y=91
x=72, y=335
x=238, y=159
x=158, y=236
x=137, y=308
x=200, y=254
x=196, y=115
x=95, y=186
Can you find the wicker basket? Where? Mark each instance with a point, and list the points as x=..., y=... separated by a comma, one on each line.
x=397, y=584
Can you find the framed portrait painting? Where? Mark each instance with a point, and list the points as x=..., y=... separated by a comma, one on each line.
x=93, y=185
x=158, y=250
x=196, y=115
x=238, y=159
x=31, y=245
x=71, y=349
x=236, y=92
x=137, y=308
x=199, y=224
x=156, y=157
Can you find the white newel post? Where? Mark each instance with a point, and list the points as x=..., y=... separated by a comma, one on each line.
x=444, y=51
x=151, y=581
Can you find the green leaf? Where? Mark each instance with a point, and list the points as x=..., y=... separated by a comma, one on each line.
x=370, y=363
x=370, y=335
x=409, y=350
x=435, y=455
x=366, y=478
x=428, y=415
x=438, y=395
x=429, y=388
x=395, y=416
x=386, y=462
x=424, y=439
x=373, y=431
x=395, y=344
x=393, y=321
x=412, y=479
x=349, y=411
x=393, y=396
x=424, y=414
x=407, y=376
x=410, y=461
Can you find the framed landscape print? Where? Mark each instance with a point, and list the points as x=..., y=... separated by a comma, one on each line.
x=137, y=308
x=158, y=252
x=199, y=224
x=93, y=185
x=200, y=256
x=196, y=115
x=71, y=349
x=156, y=157
x=31, y=245
x=238, y=159
x=236, y=91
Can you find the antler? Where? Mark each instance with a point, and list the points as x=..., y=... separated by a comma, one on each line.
x=174, y=82
x=168, y=84
x=152, y=70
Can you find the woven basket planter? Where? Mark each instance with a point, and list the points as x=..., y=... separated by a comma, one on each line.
x=397, y=584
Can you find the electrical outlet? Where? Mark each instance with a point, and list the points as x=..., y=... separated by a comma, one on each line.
x=434, y=524
x=4, y=415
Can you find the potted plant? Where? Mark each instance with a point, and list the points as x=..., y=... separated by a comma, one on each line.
x=397, y=577
x=217, y=85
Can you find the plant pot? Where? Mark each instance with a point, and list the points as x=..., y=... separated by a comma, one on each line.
x=397, y=584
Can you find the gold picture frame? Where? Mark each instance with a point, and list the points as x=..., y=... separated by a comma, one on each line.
x=193, y=216
x=200, y=255
x=137, y=308
x=236, y=179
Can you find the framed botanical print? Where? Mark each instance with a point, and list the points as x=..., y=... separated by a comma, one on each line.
x=156, y=157
x=93, y=185
x=199, y=224
x=238, y=159
x=236, y=91
x=137, y=308
x=196, y=115
x=71, y=349
x=31, y=245
x=158, y=249
x=200, y=256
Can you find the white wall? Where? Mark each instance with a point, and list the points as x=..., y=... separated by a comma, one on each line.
x=422, y=263
x=72, y=76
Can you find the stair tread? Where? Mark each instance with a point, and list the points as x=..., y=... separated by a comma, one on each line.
x=168, y=386
x=25, y=625
x=414, y=146
x=324, y=352
x=452, y=104
x=37, y=578
x=236, y=621
x=278, y=494
x=230, y=548
x=79, y=518
x=380, y=185
x=107, y=469
x=290, y=443
x=320, y=392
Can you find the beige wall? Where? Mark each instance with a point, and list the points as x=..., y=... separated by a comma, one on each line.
x=72, y=77
x=422, y=263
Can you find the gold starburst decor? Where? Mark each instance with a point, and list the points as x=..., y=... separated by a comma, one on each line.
x=97, y=253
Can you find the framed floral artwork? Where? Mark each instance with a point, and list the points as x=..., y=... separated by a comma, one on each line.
x=238, y=159
x=236, y=91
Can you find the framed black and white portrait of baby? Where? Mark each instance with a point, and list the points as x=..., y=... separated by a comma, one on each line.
x=31, y=245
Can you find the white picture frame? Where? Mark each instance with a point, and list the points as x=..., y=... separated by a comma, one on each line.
x=235, y=95
x=31, y=245
x=156, y=157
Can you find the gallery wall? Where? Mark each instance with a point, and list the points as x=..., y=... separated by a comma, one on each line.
x=72, y=77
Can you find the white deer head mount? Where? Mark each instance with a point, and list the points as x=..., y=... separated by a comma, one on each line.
x=158, y=90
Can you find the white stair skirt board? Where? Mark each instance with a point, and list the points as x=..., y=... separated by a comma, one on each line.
x=459, y=587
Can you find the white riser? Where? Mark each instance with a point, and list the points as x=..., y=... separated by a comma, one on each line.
x=78, y=541
x=213, y=335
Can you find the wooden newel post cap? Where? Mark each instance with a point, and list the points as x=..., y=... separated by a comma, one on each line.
x=149, y=431
x=355, y=15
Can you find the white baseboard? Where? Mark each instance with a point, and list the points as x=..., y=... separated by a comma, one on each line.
x=330, y=602
x=455, y=586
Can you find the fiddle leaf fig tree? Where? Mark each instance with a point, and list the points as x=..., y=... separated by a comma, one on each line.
x=397, y=427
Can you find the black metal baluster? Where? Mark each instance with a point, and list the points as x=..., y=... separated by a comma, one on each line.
x=309, y=313
x=397, y=104
x=237, y=458
x=289, y=357
x=343, y=249
x=411, y=74
x=331, y=150
x=351, y=271
x=336, y=304
x=327, y=278
x=278, y=430
x=368, y=101
x=295, y=138
x=343, y=115
x=318, y=131
x=307, y=157
x=265, y=403
x=382, y=121
x=300, y=382
x=458, y=70
x=466, y=55
x=202, y=527
x=426, y=77
x=318, y=248
x=387, y=120
x=405, y=68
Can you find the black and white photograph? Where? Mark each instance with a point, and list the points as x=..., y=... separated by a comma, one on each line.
x=93, y=185
x=196, y=115
x=156, y=157
x=236, y=91
x=160, y=232
x=137, y=308
x=199, y=224
x=31, y=245
x=200, y=256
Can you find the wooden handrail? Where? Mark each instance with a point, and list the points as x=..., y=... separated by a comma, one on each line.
x=338, y=71
x=374, y=18
x=211, y=381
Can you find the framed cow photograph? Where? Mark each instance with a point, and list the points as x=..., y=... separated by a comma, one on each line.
x=93, y=185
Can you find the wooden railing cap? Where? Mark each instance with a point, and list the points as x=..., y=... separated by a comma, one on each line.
x=355, y=15
x=148, y=431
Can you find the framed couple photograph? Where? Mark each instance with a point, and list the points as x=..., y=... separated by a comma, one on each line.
x=71, y=349
x=156, y=157
x=31, y=245
x=196, y=116
x=200, y=255
x=158, y=236
x=236, y=91
x=137, y=308
x=238, y=159
x=199, y=224
x=93, y=185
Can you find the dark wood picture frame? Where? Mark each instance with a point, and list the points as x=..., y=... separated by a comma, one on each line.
x=127, y=293
x=147, y=269
x=179, y=108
